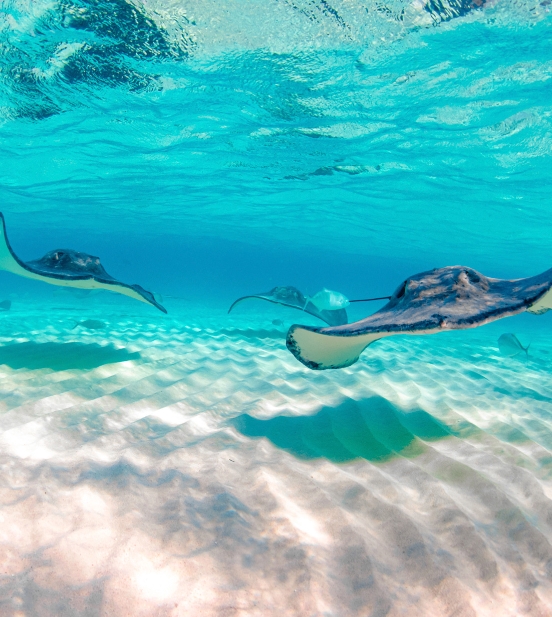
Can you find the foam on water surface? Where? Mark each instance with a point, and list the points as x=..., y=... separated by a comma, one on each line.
x=171, y=465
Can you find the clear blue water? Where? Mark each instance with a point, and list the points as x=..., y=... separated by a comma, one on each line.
x=363, y=150
x=207, y=150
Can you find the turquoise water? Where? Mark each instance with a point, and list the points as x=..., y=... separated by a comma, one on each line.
x=187, y=464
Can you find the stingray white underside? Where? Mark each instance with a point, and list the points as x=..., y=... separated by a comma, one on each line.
x=543, y=304
x=330, y=351
x=10, y=264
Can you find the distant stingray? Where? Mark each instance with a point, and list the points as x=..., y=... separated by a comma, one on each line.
x=5, y=305
x=452, y=298
x=292, y=297
x=68, y=268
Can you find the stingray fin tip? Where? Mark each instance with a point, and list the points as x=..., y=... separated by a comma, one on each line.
x=321, y=351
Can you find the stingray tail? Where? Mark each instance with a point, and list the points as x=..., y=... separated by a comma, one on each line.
x=76, y=324
x=526, y=350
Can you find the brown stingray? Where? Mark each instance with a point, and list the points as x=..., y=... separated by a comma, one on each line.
x=68, y=268
x=452, y=298
x=292, y=297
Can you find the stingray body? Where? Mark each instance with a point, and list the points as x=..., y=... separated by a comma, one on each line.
x=68, y=268
x=292, y=297
x=451, y=298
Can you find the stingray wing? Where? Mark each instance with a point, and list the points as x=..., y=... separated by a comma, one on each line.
x=319, y=350
x=450, y=298
x=293, y=298
x=67, y=276
x=253, y=297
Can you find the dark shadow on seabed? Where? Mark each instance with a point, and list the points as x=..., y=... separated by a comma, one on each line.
x=62, y=356
x=372, y=429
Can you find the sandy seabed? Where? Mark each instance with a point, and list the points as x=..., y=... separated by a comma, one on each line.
x=189, y=465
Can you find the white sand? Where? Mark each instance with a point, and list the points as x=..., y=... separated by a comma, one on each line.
x=132, y=486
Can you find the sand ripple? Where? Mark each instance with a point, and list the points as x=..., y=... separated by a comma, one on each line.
x=168, y=467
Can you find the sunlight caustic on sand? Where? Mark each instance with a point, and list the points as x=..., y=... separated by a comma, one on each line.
x=208, y=471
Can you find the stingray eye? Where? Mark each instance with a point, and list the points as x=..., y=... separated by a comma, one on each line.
x=402, y=290
x=467, y=277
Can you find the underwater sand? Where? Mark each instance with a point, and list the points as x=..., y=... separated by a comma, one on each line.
x=188, y=465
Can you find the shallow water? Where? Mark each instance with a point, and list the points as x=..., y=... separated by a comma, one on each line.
x=187, y=464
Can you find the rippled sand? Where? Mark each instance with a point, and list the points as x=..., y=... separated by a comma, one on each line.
x=190, y=466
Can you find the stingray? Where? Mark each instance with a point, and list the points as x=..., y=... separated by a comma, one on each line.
x=292, y=297
x=452, y=298
x=68, y=268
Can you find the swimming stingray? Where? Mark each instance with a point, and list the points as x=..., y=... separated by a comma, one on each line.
x=452, y=298
x=68, y=268
x=292, y=297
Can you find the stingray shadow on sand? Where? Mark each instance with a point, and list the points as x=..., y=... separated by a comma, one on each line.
x=62, y=356
x=372, y=429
